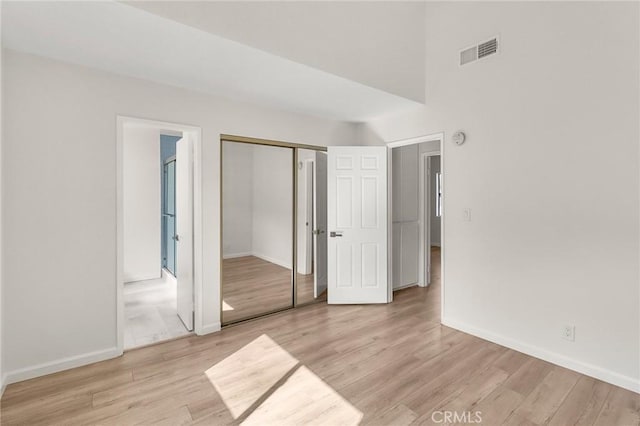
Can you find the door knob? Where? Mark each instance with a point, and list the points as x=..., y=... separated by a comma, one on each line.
x=334, y=234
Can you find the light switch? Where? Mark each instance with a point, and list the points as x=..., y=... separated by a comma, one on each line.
x=466, y=214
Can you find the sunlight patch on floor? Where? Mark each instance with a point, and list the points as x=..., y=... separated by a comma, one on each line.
x=304, y=399
x=262, y=384
x=245, y=376
x=226, y=306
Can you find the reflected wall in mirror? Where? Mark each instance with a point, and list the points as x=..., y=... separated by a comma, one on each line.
x=311, y=226
x=257, y=230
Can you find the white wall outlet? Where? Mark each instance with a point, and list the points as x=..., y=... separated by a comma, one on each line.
x=466, y=214
x=569, y=333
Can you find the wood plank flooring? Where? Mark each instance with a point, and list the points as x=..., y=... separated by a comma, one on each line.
x=253, y=286
x=333, y=365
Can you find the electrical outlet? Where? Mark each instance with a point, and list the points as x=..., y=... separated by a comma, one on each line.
x=466, y=215
x=569, y=333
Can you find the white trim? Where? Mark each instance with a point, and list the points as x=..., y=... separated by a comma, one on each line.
x=425, y=216
x=266, y=258
x=416, y=140
x=209, y=328
x=308, y=187
x=60, y=365
x=196, y=133
x=273, y=260
x=591, y=370
x=407, y=286
x=389, y=228
x=136, y=278
x=412, y=141
x=235, y=255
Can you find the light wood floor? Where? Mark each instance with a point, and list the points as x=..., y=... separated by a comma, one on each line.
x=252, y=286
x=335, y=365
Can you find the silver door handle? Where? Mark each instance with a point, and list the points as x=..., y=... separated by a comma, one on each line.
x=318, y=231
x=334, y=234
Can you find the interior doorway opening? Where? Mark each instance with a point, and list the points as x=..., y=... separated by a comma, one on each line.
x=156, y=297
x=417, y=207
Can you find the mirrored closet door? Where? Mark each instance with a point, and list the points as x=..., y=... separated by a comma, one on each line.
x=273, y=227
x=257, y=224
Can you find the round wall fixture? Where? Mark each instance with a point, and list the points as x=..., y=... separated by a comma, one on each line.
x=458, y=138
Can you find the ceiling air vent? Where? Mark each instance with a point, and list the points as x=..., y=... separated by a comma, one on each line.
x=479, y=51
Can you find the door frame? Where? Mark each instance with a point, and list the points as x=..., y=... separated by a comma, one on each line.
x=309, y=177
x=425, y=213
x=294, y=173
x=196, y=134
x=439, y=137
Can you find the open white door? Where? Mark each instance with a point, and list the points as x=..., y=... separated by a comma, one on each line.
x=320, y=224
x=184, y=230
x=357, y=224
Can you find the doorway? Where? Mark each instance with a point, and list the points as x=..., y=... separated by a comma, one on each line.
x=155, y=285
x=273, y=254
x=417, y=212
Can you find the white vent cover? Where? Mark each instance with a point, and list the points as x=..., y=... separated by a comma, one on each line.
x=479, y=51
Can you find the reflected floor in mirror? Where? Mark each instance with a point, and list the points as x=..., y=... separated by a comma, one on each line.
x=253, y=286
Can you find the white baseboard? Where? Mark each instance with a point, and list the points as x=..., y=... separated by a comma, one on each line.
x=210, y=328
x=59, y=365
x=142, y=277
x=234, y=255
x=402, y=287
x=260, y=256
x=169, y=277
x=273, y=260
x=591, y=370
x=435, y=244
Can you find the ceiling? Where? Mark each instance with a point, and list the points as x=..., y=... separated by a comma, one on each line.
x=128, y=40
x=381, y=43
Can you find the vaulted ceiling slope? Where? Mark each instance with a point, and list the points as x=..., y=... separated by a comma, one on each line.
x=127, y=40
x=377, y=43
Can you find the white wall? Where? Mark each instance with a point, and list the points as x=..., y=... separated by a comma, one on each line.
x=554, y=233
x=59, y=208
x=142, y=189
x=272, y=204
x=433, y=219
x=257, y=203
x=237, y=202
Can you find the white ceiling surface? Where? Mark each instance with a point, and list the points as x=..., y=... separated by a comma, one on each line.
x=126, y=40
x=381, y=43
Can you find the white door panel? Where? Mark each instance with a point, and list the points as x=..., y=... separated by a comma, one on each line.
x=357, y=225
x=320, y=224
x=184, y=230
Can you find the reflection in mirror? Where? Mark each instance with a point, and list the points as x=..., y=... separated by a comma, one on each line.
x=311, y=228
x=257, y=230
